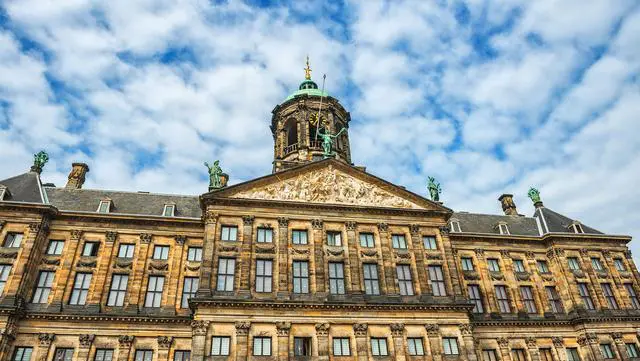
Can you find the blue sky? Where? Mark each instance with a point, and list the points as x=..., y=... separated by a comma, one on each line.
x=489, y=97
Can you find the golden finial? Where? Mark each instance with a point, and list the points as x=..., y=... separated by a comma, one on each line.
x=307, y=70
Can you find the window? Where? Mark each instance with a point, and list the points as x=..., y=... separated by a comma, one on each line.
x=379, y=347
x=5, y=269
x=90, y=249
x=554, y=299
x=265, y=235
x=55, y=247
x=467, y=264
x=299, y=236
x=63, y=354
x=455, y=226
x=189, y=290
x=300, y=277
x=543, y=267
x=161, y=252
x=416, y=348
x=619, y=264
x=398, y=241
x=583, y=290
x=608, y=295
x=546, y=355
x=635, y=303
x=144, y=355
x=336, y=278
x=194, y=254
x=302, y=346
x=597, y=265
x=577, y=228
x=264, y=275
x=169, y=210
x=226, y=272
x=229, y=233
x=437, y=281
x=181, y=355
x=262, y=346
x=118, y=290
x=80, y=289
x=22, y=354
x=429, y=242
x=527, y=299
x=572, y=354
x=503, y=228
x=573, y=263
x=405, y=283
x=493, y=264
x=103, y=354
x=126, y=250
x=371, y=283
x=450, y=345
x=476, y=297
x=607, y=352
x=518, y=265
x=12, y=240
x=503, y=299
x=334, y=238
x=341, y=346
x=154, y=291
x=366, y=240
x=489, y=355
x=104, y=207
x=220, y=345
x=632, y=350
x=517, y=354
x=43, y=288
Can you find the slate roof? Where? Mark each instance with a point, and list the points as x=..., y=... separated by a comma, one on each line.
x=556, y=222
x=488, y=223
x=23, y=188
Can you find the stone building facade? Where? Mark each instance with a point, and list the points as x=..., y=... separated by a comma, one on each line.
x=318, y=261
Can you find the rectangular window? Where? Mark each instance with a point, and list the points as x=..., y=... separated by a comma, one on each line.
x=619, y=264
x=55, y=247
x=503, y=299
x=517, y=354
x=450, y=345
x=194, y=254
x=608, y=295
x=189, y=290
x=144, y=355
x=300, y=277
x=632, y=350
x=104, y=354
x=264, y=275
x=22, y=354
x=398, y=241
x=126, y=250
x=403, y=272
x=543, y=267
x=503, y=228
x=265, y=235
x=572, y=354
x=302, y=346
x=80, y=289
x=371, y=283
x=161, y=252
x=341, y=346
x=573, y=263
x=583, y=290
x=104, y=206
x=220, y=345
x=5, y=270
x=546, y=355
x=493, y=264
x=437, y=281
x=12, y=240
x=415, y=345
x=181, y=355
x=476, y=297
x=607, y=352
x=554, y=299
x=635, y=302
x=597, y=265
x=518, y=265
x=229, y=233
x=118, y=290
x=527, y=299
x=336, y=278
x=262, y=346
x=43, y=287
x=299, y=236
x=379, y=347
x=467, y=264
x=489, y=355
x=366, y=240
x=429, y=242
x=90, y=249
x=226, y=273
x=455, y=226
x=154, y=291
x=63, y=354
x=169, y=210
x=334, y=238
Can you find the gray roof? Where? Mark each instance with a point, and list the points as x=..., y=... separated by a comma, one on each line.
x=87, y=200
x=556, y=222
x=23, y=188
x=488, y=223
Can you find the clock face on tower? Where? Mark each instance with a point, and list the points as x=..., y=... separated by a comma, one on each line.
x=314, y=118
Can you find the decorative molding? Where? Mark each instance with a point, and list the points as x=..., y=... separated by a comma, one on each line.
x=479, y=253
x=334, y=251
x=444, y=230
x=360, y=329
x=86, y=340
x=51, y=260
x=592, y=338
x=180, y=239
x=433, y=329
x=383, y=227
x=584, y=252
x=266, y=249
x=298, y=250
x=317, y=223
x=606, y=253
x=433, y=255
x=111, y=236
x=242, y=328
x=414, y=229
x=10, y=331
x=34, y=227
x=322, y=329
x=530, y=255
x=87, y=262
x=617, y=338
x=351, y=226
x=199, y=327
x=6, y=252
x=503, y=342
x=125, y=341
x=522, y=276
x=46, y=339
x=76, y=234
x=582, y=341
x=402, y=255
x=531, y=342
x=192, y=265
x=248, y=220
x=466, y=329
x=225, y=248
x=397, y=329
x=470, y=275
x=210, y=217
x=558, y=341
x=505, y=253
x=146, y=237
x=165, y=341
x=369, y=252
x=283, y=328
x=158, y=265
x=496, y=275
x=283, y=222
x=125, y=263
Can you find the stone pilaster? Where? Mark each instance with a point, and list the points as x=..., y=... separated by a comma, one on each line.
x=566, y=289
x=164, y=345
x=598, y=297
x=138, y=271
x=388, y=268
x=84, y=346
x=433, y=334
x=532, y=346
x=418, y=252
x=362, y=348
x=618, y=341
x=21, y=281
x=466, y=330
x=199, y=329
x=173, y=278
x=283, y=340
x=590, y=346
x=397, y=332
x=7, y=336
x=450, y=264
x=102, y=268
x=503, y=345
x=354, y=260
x=242, y=340
x=559, y=349
x=318, y=250
x=283, y=255
x=124, y=347
x=210, y=219
x=322, y=333
x=63, y=273
x=44, y=345
x=246, y=257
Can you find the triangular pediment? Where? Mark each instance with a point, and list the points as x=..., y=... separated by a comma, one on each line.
x=329, y=182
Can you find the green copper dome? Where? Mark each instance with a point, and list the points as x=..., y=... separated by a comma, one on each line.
x=308, y=87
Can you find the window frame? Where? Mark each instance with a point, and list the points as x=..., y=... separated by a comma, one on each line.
x=182, y=354
x=467, y=264
x=58, y=246
x=118, y=294
x=264, y=279
x=226, y=276
x=263, y=340
x=436, y=280
x=607, y=292
x=572, y=354
x=80, y=292
x=190, y=292
x=585, y=295
x=22, y=350
x=543, y=266
x=194, y=254
x=596, y=263
x=144, y=353
x=171, y=208
x=264, y=235
x=334, y=238
x=405, y=283
x=633, y=296
x=618, y=263
x=153, y=296
x=305, y=346
x=574, y=263
x=554, y=299
x=336, y=278
x=377, y=350
x=447, y=343
x=503, y=299
x=504, y=229
x=367, y=240
x=518, y=265
x=528, y=299
x=129, y=248
x=491, y=353
x=93, y=251
x=607, y=351
x=371, y=280
x=341, y=342
x=301, y=279
x=399, y=241
x=296, y=237
x=633, y=347
x=63, y=354
x=227, y=232
x=415, y=346
x=42, y=292
x=493, y=264
x=160, y=252
x=453, y=225
x=475, y=295
x=103, y=357
x=430, y=243
x=518, y=354
x=5, y=272
x=104, y=206
x=221, y=350
x=10, y=240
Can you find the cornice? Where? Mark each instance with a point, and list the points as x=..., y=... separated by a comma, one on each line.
x=329, y=306
x=110, y=318
x=571, y=321
x=22, y=206
x=545, y=237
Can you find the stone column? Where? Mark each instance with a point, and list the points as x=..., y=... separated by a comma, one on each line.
x=558, y=348
x=318, y=250
x=283, y=257
x=242, y=340
x=450, y=264
x=532, y=346
x=199, y=330
x=246, y=257
x=435, y=344
x=620, y=346
x=283, y=340
x=45, y=341
x=466, y=330
x=85, y=342
x=138, y=271
x=362, y=349
x=164, y=344
x=421, y=265
x=590, y=346
x=503, y=344
x=397, y=332
x=354, y=260
x=388, y=268
x=124, y=347
x=322, y=333
x=210, y=219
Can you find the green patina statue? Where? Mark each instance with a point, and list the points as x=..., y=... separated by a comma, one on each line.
x=39, y=160
x=215, y=175
x=327, y=142
x=534, y=194
x=434, y=189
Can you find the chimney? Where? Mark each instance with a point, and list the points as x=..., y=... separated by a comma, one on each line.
x=77, y=176
x=508, y=206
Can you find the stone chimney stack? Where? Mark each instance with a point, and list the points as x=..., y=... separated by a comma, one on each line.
x=77, y=176
x=508, y=206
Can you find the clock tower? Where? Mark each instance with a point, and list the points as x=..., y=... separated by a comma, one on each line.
x=299, y=123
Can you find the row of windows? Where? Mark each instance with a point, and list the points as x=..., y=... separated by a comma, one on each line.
x=493, y=264
x=125, y=250
x=105, y=206
x=596, y=264
x=102, y=354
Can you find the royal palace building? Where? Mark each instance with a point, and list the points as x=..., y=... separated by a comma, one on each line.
x=319, y=260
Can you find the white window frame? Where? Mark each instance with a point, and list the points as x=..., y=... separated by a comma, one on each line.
x=298, y=238
x=229, y=233
x=264, y=275
x=596, y=263
x=55, y=247
x=80, y=290
x=220, y=345
x=573, y=354
x=226, y=274
x=341, y=346
x=169, y=210
x=118, y=290
x=504, y=229
x=379, y=346
x=450, y=346
x=143, y=355
x=264, y=235
x=126, y=250
x=415, y=346
x=155, y=288
x=104, y=206
x=554, y=299
x=489, y=355
x=454, y=226
x=577, y=228
x=181, y=355
x=632, y=350
x=194, y=254
x=262, y=346
x=367, y=240
x=633, y=296
x=161, y=252
x=189, y=288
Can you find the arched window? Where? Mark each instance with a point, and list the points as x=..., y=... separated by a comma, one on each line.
x=291, y=128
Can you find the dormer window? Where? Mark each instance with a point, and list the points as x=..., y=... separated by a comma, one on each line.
x=503, y=228
x=105, y=206
x=3, y=192
x=576, y=227
x=169, y=210
x=455, y=226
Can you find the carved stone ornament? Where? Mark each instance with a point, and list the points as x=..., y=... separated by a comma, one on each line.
x=414, y=229
x=146, y=237
x=210, y=217
x=505, y=253
x=199, y=327
x=46, y=339
x=584, y=252
x=242, y=327
x=531, y=342
x=479, y=253
x=10, y=331
x=283, y=328
x=87, y=262
x=165, y=341
x=125, y=341
x=227, y=248
x=34, y=227
x=503, y=342
x=530, y=255
x=298, y=250
x=627, y=254
x=180, y=239
x=328, y=186
x=334, y=251
x=582, y=341
x=266, y=249
x=470, y=275
x=248, y=220
x=592, y=337
x=466, y=329
x=360, y=329
x=283, y=222
x=192, y=266
x=397, y=329
x=383, y=227
x=52, y=261
x=606, y=253
x=558, y=341
x=124, y=263
x=76, y=234
x=433, y=255
x=551, y=254
x=111, y=236
x=496, y=275
x=317, y=223
x=322, y=329
x=9, y=253
x=617, y=338
x=522, y=276
x=433, y=329
x=444, y=230
x=350, y=226
x=86, y=340
x=369, y=253
x=158, y=265
x=403, y=255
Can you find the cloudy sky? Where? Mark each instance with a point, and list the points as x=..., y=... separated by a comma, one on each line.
x=487, y=96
